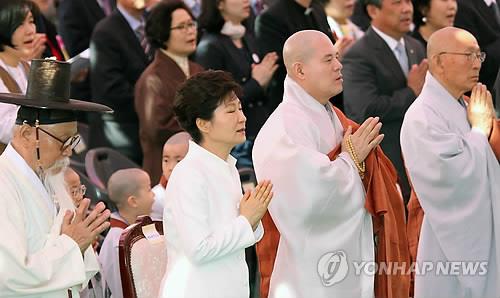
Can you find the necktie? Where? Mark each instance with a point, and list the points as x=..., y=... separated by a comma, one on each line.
x=142, y=38
x=496, y=11
x=402, y=58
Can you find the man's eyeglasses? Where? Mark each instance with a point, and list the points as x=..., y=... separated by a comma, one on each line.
x=69, y=142
x=78, y=191
x=185, y=26
x=481, y=56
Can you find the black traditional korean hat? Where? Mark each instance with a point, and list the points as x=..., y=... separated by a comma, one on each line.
x=47, y=97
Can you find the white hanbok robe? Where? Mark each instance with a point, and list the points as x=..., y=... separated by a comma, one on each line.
x=456, y=178
x=206, y=235
x=110, y=260
x=318, y=204
x=35, y=259
x=159, y=203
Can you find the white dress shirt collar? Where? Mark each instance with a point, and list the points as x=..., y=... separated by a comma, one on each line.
x=391, y=42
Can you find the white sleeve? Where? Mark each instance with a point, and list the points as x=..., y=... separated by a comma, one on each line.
x=259, y=232
x=190, y=216
x=58, y=265
x=8, y=114
x=110, y=262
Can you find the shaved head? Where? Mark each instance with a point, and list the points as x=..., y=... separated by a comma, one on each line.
x=125, y=183
x=448, y=39
x=301, y=46
x=454, y=59
x=174, y=150
x=312, y=61
x=71, y=175
x=180, y=138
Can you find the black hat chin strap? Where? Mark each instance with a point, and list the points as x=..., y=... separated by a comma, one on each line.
x=31, y=115
x=37, y=144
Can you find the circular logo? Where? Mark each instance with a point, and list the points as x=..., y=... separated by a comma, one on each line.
x=332, y=267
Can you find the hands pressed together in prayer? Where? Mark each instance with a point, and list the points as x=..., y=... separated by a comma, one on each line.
x=254, y=204
x=264, y=71
x=364, y=139
x=83, y=228
x=343, y=44
x=480, y=111
x=416, y=76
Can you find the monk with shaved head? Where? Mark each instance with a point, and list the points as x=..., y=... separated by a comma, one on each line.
x=174, y=150
x=451, y=147
x=319, y=161
x=130, y=190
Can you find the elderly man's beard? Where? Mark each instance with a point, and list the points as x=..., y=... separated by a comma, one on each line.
x=53, y=180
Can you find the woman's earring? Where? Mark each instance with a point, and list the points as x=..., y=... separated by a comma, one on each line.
x=424, y=19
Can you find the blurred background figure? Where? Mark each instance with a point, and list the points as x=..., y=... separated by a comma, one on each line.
x=44, y=20
x=360, y=16
x=171, y=29
x=76, y=22
x=130, y=190
x=345, y=32
x=19, y=43
x=482, y=19
x=432, y=15
x=75, y=187
x=228, y=44
x=174, y=150
x=119, y=53
x=338, y=14
x=194, y=6
x=383, y=73
x=278, y=22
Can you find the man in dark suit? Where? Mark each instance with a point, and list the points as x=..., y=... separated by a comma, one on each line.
x=383, y=74
x=77, y=20
x=282, y=19
x=118, y=57
x=482, y=19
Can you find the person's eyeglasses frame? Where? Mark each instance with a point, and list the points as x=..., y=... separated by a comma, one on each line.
x=80, y=191
x=184, y=27
x=471, y=56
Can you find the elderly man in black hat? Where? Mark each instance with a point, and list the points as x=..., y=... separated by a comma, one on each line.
x=45, y=243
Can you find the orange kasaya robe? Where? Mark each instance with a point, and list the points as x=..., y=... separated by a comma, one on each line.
x=416, y=213
x=384, y=203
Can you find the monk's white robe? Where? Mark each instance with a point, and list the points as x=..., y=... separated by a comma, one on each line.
x=35, y=259
x=456, y=177
x=318, y=204
x=109, y=258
